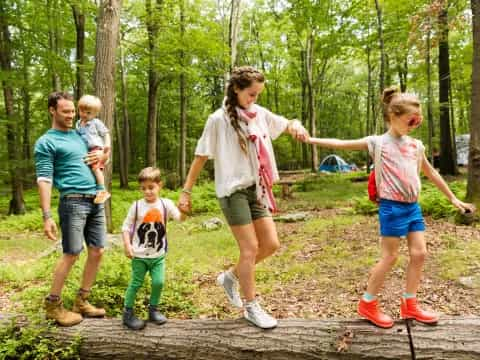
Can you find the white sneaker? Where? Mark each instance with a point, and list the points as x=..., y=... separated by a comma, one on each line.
x=230, y=284
x=257, y=316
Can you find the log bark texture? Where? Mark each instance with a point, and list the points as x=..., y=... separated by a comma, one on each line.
x=453, y=338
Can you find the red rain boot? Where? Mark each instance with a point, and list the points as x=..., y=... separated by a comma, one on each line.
x=369, y=310
x=409, y=309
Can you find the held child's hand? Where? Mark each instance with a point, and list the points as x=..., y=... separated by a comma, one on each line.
x=463, y=207
x=185, y=203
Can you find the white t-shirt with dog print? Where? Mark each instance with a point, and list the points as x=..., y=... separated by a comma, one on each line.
x=146, y=223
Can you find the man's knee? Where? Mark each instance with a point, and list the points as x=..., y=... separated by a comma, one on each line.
x=70, y=258
x=95, y=253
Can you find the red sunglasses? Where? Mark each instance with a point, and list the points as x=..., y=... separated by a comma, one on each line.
x=415, y=121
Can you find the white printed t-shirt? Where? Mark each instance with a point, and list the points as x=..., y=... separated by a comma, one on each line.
x=149, y=240
x=399, y=166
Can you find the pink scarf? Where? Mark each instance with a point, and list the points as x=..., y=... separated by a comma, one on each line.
x=264, y=174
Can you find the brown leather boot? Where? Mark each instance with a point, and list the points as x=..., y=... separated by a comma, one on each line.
x=82, y=306
x=55, y=311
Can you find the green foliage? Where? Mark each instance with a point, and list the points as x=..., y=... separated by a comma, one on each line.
x=434, y=203
x=30, y=342
x=458, y=258
x=363, y=205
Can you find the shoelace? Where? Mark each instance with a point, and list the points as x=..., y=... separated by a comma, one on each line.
x=258, y=310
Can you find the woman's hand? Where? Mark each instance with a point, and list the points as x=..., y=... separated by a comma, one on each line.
x=185, y=203
x=297, y=131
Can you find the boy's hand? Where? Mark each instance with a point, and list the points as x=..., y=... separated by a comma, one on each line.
x=128, y=251
x=185, y=203
x=463, y=207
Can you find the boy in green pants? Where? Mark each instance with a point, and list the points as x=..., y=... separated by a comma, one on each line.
x=145, y=242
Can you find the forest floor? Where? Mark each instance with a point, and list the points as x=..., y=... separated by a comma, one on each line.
x=320, y=271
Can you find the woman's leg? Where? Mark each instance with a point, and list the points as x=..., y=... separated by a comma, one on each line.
x=267, y=238
x=256, y=243
x=390, y=247
x=417, y=249
x=245, y=268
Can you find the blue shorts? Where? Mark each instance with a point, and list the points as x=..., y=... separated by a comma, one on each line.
x=81, y=219
x=397, y=218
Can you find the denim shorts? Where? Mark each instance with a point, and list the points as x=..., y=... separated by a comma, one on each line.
x=397, y=218
x=81, y=220
x=242, y=207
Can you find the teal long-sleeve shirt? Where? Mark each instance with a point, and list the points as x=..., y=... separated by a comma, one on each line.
x=59, y=158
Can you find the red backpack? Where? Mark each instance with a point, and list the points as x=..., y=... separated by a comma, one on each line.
x=372, y=187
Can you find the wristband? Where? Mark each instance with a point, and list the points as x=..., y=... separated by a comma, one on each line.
x=46, y=215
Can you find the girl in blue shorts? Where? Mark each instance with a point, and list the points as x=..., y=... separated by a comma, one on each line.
x=398, y=159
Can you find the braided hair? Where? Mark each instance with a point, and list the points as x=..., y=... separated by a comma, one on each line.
x=241, y=78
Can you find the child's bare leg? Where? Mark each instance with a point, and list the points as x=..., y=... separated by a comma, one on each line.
x=99, y=177
x=102, y=194
x=409, y=307
x=417, y=249
x=390, y=247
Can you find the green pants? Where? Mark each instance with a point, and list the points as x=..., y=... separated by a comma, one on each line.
x=140, y=266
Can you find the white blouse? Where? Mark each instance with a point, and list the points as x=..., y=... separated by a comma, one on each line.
x=233, y=168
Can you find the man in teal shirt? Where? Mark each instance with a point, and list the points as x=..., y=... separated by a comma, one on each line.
x=61, y=160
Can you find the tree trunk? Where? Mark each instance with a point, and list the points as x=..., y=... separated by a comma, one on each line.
x=431, y=127
x=79, y=18
x=303, y=75
x=369, y=130
x=183, y=98
x=124, y=131
x=234, y=27
x=25, y=91
x=473, y=185
x=108, y=28
x=153, y=81
x=452, y=123
x=381, y=75
x=17, y=204
x=447, y=164
x=402, y=68
x=54, y=43
x=455, y=338
x=309, y=55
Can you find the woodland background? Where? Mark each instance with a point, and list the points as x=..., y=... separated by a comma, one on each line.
x=160, y=67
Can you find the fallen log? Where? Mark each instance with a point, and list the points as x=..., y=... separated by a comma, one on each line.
x=454, y=338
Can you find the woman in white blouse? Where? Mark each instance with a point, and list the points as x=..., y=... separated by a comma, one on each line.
x=238, y=138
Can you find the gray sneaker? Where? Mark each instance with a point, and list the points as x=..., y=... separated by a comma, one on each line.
x=257, y=316
x=230, y=284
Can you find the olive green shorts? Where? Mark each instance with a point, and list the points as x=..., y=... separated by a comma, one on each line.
x=242, y=207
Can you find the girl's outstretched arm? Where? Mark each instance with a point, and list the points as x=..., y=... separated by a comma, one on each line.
x=359, y=144
x=435, y=177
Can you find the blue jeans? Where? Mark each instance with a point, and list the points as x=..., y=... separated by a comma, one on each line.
x=81, y=219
